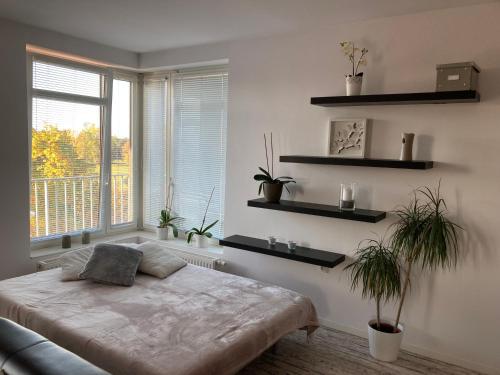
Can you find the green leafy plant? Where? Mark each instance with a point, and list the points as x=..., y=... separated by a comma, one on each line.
x=167, y=221
x=202, y=230
x=167, y=218
x=424, y=236
x=267, y=175
x=376, y=269
x=350, y=50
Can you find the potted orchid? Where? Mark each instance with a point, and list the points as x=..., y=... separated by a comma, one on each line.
x=357, y=57
x=167, y=218
x=270, y=185
x=201, y=235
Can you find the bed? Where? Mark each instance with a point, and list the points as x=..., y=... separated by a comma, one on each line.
x=196, y=321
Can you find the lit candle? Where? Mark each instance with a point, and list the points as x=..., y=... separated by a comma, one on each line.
x=347, y=193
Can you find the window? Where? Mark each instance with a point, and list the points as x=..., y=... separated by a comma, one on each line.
x=199, y=127
x=71, y=176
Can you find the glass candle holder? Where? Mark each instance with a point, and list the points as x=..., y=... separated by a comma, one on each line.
x=85, y=237
x=271, y=240
x=347, y=200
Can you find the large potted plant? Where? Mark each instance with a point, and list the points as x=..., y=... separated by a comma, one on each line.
x=201, y=235
x=272, y=186
x=422, y=237
x=354, y=80
x=376, y=269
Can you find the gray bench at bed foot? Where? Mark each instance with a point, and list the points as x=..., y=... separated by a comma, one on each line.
x=24, y=352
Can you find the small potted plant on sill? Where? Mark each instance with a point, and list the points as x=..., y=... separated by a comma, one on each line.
x=376, y=268
x=272, y=187
x=202, y=235
x=354, y=80
x=167, y=218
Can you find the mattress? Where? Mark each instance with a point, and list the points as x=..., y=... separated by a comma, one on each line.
x=196, y=321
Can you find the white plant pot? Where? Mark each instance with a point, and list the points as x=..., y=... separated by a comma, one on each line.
x=384, y=346
x=353, y=85
x=200, y=241
x=162, y=233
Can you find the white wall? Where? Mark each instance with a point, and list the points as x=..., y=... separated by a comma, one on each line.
x=450, y=315
x=14, y=150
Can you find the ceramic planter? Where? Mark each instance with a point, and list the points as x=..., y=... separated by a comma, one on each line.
x=272, y=192
x=353, y=85
x=200, y=241
x=162, y=233
x=384, y=346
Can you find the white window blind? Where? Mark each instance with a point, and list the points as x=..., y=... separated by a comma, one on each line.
x=154, y=149
x=199, y=146
x=66, y=160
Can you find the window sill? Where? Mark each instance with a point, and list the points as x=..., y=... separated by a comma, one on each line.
x=131, y=236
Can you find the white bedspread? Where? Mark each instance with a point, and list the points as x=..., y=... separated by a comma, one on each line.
x=197, y=321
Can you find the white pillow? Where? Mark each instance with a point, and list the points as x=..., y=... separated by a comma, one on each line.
x=157, y=261
x=73, y=263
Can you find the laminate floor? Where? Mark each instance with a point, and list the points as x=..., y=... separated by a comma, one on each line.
x=332, y=352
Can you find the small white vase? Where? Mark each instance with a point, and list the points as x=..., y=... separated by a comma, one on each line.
x=200, y=241
x=384, y=346
x=353, y=85
x=407, y=146
x=162, y=233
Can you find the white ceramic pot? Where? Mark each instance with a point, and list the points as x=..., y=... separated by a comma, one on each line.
x=162, y=233
x=353, y=85
x=384, y=346
x=200, y=241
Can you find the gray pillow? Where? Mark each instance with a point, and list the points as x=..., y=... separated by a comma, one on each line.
x=112, y=264
x=157, y=261
x=73, y=262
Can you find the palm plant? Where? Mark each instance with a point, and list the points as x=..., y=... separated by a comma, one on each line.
x=376, y=268
x=202, y=230
x=424, y=235
x=267, y=175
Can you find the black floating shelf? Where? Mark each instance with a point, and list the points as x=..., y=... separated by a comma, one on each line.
x=358, y=162
x=316, y=209
x=299, y=254
x=440, y=97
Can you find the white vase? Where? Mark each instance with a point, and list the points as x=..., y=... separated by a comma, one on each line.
x=384, y=346
x=162, y=233
x=200, y=241
x=407, y=146
x=353, y=85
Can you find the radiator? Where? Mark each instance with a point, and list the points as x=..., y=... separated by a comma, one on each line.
x=190, y=257
x=48, y=264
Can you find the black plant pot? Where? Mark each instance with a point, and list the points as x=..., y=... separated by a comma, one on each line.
x=272, y=192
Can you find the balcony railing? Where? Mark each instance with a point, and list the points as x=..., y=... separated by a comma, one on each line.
x=71, y=204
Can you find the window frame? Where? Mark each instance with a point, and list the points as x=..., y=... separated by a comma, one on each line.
x=105, y=103
x=216, y=69
x=168, y=75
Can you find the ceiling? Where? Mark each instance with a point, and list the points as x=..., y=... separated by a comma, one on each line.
x=148, y=25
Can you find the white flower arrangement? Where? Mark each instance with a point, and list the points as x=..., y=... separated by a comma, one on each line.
x=350, y=50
